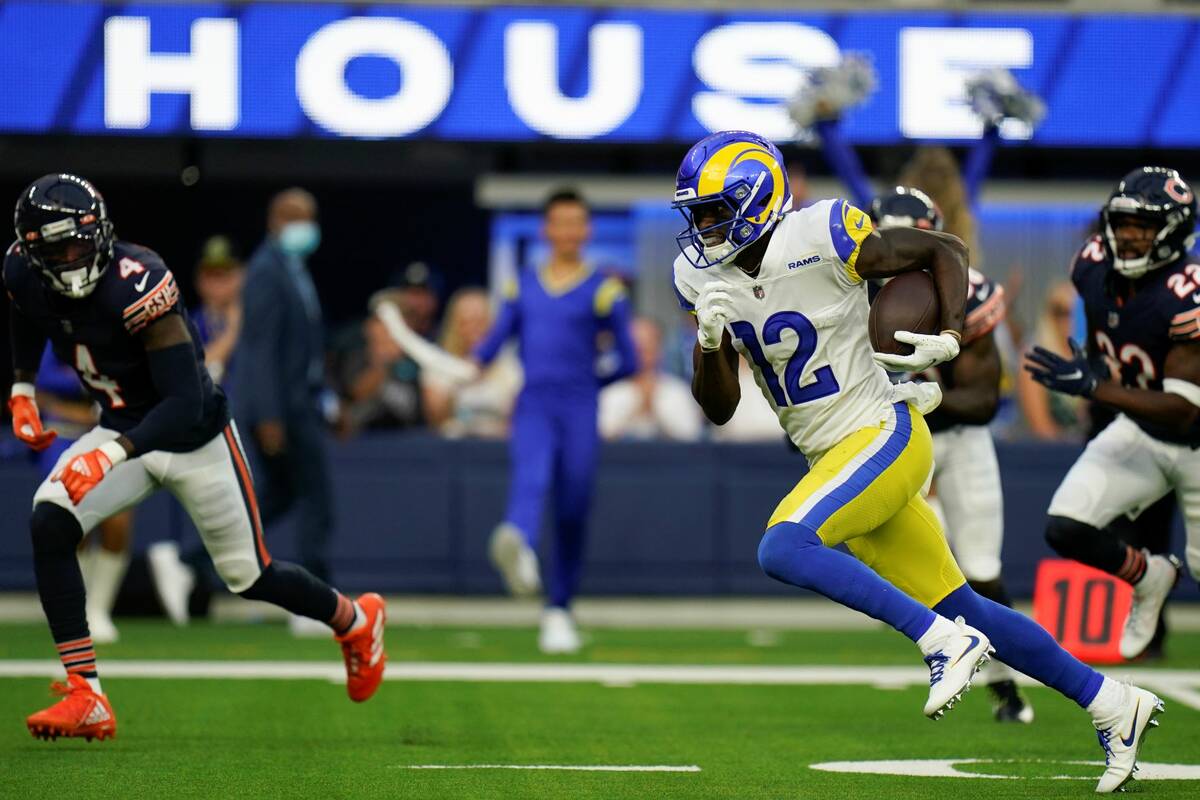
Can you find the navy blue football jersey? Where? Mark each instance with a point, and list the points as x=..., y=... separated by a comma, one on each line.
x=1133, y=324
x=98, y=336
x=985, y=310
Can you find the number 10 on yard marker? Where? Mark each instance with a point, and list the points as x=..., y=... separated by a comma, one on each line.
x=1083, y=608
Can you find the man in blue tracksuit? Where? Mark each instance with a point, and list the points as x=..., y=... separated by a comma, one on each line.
x=556, y=313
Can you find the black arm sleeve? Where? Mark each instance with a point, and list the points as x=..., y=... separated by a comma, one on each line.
x=176, y=377
x=27, y=342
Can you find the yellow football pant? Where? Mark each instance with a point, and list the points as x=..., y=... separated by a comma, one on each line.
x=866, y=491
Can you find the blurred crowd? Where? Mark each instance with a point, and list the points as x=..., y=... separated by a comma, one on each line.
x=369, y=383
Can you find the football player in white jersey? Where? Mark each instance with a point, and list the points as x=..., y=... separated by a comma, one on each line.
x=788, y=292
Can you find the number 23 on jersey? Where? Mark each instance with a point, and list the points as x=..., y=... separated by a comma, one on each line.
x=823, y=384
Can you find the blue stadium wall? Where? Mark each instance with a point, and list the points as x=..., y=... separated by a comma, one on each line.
x=414, y=513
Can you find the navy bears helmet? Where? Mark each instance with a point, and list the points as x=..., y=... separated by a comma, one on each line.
x=63, y=228
x=1159, y=197
x=906, y=207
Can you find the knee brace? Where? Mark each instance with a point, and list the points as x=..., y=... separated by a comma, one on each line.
x=779, y=546
x=54, y=530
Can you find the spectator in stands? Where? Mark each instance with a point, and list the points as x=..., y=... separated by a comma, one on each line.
x=219, y=276
x=1050, y=415
x=379, y=384
x=416, y=295
x=280, y=374
x=481, y=408
x=651, y=404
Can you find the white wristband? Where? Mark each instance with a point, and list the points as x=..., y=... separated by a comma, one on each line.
x=23, y=390
x=1185, y=389
x=115, y=452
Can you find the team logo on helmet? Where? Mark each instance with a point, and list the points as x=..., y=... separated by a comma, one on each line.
x=1177, y=190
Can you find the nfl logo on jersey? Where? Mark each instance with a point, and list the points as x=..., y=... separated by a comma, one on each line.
x=758, y=292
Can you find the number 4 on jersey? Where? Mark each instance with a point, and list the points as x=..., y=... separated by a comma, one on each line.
x=824, y=383
x=130, y=267
x=85, y=365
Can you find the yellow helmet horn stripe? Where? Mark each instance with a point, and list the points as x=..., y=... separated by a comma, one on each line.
x=716, y=170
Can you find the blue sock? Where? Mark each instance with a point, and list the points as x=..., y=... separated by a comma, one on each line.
x=1024, y=645
x=794, y=554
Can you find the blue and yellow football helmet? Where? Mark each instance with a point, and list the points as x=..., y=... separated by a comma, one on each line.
x=740, y=173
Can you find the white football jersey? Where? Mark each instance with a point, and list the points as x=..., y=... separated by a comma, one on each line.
x=801, y=323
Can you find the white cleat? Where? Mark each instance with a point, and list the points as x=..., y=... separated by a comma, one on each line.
x=515, y=560
x=173, y=580
x=559, y=635
x=953, y=665
x=1122, y=737
x=1149, y=594
x=101, y=626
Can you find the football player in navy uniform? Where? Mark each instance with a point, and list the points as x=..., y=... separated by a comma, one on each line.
x=966, y=474
x=111, y=309
x=1141, y=293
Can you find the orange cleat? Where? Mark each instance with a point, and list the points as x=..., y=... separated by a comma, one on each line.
x=362, y=649
x=80, y=713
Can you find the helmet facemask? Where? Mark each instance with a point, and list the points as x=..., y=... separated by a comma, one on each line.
x=1161, y=250
x=1160, y=202
x=71, y=257
x=734, y=229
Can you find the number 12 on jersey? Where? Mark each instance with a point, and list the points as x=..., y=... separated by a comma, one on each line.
x=823, y=383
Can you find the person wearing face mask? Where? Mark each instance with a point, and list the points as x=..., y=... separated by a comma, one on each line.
x=280, y=375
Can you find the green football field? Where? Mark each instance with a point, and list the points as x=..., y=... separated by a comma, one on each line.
x=731, y=714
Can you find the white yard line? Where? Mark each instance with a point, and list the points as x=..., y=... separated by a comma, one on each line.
x=1182, y=686
x=564, y=767
x=695, y=613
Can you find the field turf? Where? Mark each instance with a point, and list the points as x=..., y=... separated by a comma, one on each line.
x=265, y=737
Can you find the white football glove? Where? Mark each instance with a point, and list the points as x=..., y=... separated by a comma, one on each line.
x=924, y=396
x=928, y=350
x=714, y=308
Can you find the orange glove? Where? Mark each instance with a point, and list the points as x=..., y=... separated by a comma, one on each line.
x=27, y=423
x=83, y=472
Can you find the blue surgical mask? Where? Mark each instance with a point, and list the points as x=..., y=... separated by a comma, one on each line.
x=299, y=239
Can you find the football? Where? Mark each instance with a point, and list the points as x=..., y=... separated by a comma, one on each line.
x=908, y=302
